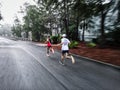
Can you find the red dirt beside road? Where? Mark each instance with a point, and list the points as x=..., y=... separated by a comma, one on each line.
x=107, y=55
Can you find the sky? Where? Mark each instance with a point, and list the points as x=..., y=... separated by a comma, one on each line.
x=9, y=9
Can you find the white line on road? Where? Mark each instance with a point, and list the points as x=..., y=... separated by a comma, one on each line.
x=3, y=46
x=30, y=54
x=44, y=67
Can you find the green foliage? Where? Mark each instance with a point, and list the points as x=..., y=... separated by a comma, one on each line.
x=16, y=30
x=54, y=14
x=73, y=44
x=95, y=40
x=91, y=44
x=1, y=17
x=72, y=32
x=55, y=39
x=113, y=37
x=35, y=21
x=116, y=35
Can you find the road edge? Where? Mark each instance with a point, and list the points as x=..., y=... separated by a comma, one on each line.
x=89, y=59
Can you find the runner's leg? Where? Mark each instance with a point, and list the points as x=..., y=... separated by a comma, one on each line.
x=62, y=58
x=48, y=51
x=51, y=49
x=68, y=55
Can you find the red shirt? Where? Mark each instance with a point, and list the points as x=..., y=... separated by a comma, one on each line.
x=48, y=43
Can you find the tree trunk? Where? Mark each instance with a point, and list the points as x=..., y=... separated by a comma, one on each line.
x=66, y=17
x=102, y=36
x=76, y=29
x=66, y=27
x=83, y=33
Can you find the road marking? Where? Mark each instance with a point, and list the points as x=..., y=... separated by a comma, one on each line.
x=29, y=53
x=43, y=66
x=41, y=45
x=3, y=46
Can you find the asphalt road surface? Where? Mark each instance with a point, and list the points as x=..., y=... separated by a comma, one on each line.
x=25, y=66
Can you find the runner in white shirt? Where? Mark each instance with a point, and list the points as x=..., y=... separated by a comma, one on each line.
x=65, y=50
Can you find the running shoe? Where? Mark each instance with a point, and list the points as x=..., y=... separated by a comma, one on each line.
x=48, y=55
x=61, y=62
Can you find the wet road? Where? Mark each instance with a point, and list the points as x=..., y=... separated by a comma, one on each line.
x=24, y=66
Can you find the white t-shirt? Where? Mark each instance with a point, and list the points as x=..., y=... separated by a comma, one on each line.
x=65, y=43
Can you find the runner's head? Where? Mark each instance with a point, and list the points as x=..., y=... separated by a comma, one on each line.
x=48, y=36
x=64, y=35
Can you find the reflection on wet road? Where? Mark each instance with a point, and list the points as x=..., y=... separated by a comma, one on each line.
x=25, y=66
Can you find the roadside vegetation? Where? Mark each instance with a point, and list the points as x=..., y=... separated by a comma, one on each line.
x=68, y=16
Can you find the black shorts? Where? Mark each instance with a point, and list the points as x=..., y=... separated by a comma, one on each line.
x=49, y=46
x=65, y=51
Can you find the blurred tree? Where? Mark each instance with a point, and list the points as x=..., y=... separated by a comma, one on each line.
x=83, y=10
x=0, y=17
x=103, y=9
x=35, y=21
x=0, y=13
x=117, y=23
x=17, y=28
x=63, y=7
x=70, y=15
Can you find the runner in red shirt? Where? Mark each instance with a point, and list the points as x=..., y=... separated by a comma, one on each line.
x=49, y=46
